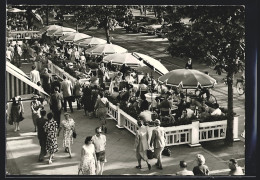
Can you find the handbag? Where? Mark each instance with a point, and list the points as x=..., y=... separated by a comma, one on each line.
x=21, y=117
x=166, y=152
x=150, y=154
x=74, y=134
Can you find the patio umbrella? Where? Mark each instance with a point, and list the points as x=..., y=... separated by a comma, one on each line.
x=63, y=30
x=187, y=79
x=146, y=69
x=152, y=63
x=90, y=42
x=72, y=37
x=51, y=29
x=105, y=49
x=16, y=10
x=123, y=58
x=43, y=29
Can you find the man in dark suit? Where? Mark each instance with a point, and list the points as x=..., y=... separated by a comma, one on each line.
x=56, y=102
x=55, y=83
x=158, y=141
x=42, y=136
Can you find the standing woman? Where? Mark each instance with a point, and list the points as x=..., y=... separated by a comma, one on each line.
x=51, y=128
x=68, y=125
x=36, y=107
x=16, y=111
x=88, y=160
x=101, y=106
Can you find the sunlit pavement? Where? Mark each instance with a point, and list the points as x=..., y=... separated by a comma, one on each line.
x=23, y=150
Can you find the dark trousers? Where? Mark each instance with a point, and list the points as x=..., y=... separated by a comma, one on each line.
x=56, y=116
x=43, y=152
x=78, y=100
x=67, y=99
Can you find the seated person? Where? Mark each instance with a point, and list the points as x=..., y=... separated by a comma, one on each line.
x=145, y=115
x=115, y=93
x=165, y=107
x=124, y=95
x=184, y=114
x=190, y=112
x=144, y=104
x=217, y=111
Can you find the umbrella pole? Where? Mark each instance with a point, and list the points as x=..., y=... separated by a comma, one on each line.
x=186, y=95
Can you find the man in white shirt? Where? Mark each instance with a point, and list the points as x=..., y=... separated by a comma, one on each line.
x=99, y=141
x=217, y=111
x=35, y=75
x=184, y=171
x=66, y=89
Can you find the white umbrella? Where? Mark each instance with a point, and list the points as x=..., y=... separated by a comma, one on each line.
x=51, y=29
x=63, y=30
x=90, y=42
x=123, y=58
x=152, y=63
x=72, y=37
x=105, y=49
x=16, y=10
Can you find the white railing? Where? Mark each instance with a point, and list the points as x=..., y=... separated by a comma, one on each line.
x=209, y=131
x=112, y=111
x=20, y=35
x=191, y=134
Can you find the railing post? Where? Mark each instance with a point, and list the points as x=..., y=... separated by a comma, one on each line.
x=235, y=129
x=194, y=135
x=120, y=120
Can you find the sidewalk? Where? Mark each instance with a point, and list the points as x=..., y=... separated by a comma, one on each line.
x=23, y=150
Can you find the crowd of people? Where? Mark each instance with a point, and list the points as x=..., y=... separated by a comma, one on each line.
x=104, y=83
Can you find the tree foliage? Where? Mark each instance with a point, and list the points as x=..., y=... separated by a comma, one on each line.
x=215, y=34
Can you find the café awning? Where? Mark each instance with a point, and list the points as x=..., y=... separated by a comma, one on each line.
x=18, y=83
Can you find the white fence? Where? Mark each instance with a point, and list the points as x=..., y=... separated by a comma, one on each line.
x=22, y=35
x=191, y=134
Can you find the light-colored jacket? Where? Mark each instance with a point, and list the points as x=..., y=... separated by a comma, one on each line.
x=35, y=76
x=158, y=139
x=66, y=88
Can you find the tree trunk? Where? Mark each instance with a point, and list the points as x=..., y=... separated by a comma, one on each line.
x=107, y=35
x=47, y=15
x=144, y=10
x=230, y=119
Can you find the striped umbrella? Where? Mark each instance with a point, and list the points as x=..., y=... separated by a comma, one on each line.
x=187, y=79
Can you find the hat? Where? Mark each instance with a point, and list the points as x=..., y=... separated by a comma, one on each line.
x=201, y=158
x=66, y=113
x=157, y=122
x=35, y=96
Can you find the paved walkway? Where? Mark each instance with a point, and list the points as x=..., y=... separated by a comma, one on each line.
x=23, y=149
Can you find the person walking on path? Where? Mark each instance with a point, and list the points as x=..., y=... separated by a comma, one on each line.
x=99, y=141
x=158, y=141
x=201, y=169
x=66, y=88
x=42, y=136
x=88, y=159
x=86, y=99
x=34, y=75
x=101, y=109
x=56, y=102
x=46, y=81
x=235, y=169
x=184, y=171
x=17, y=110
x=51, y=128
x=68, y=126
x=141, y=145
x=189, y=64
x=55, y=83
x=36, y=107
x=78, y=92
x=94, y=96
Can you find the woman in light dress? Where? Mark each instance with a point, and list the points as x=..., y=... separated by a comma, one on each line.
x=68, y=126
x=88, y=161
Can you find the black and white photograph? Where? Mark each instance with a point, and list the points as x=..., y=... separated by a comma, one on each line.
x=149, y=90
